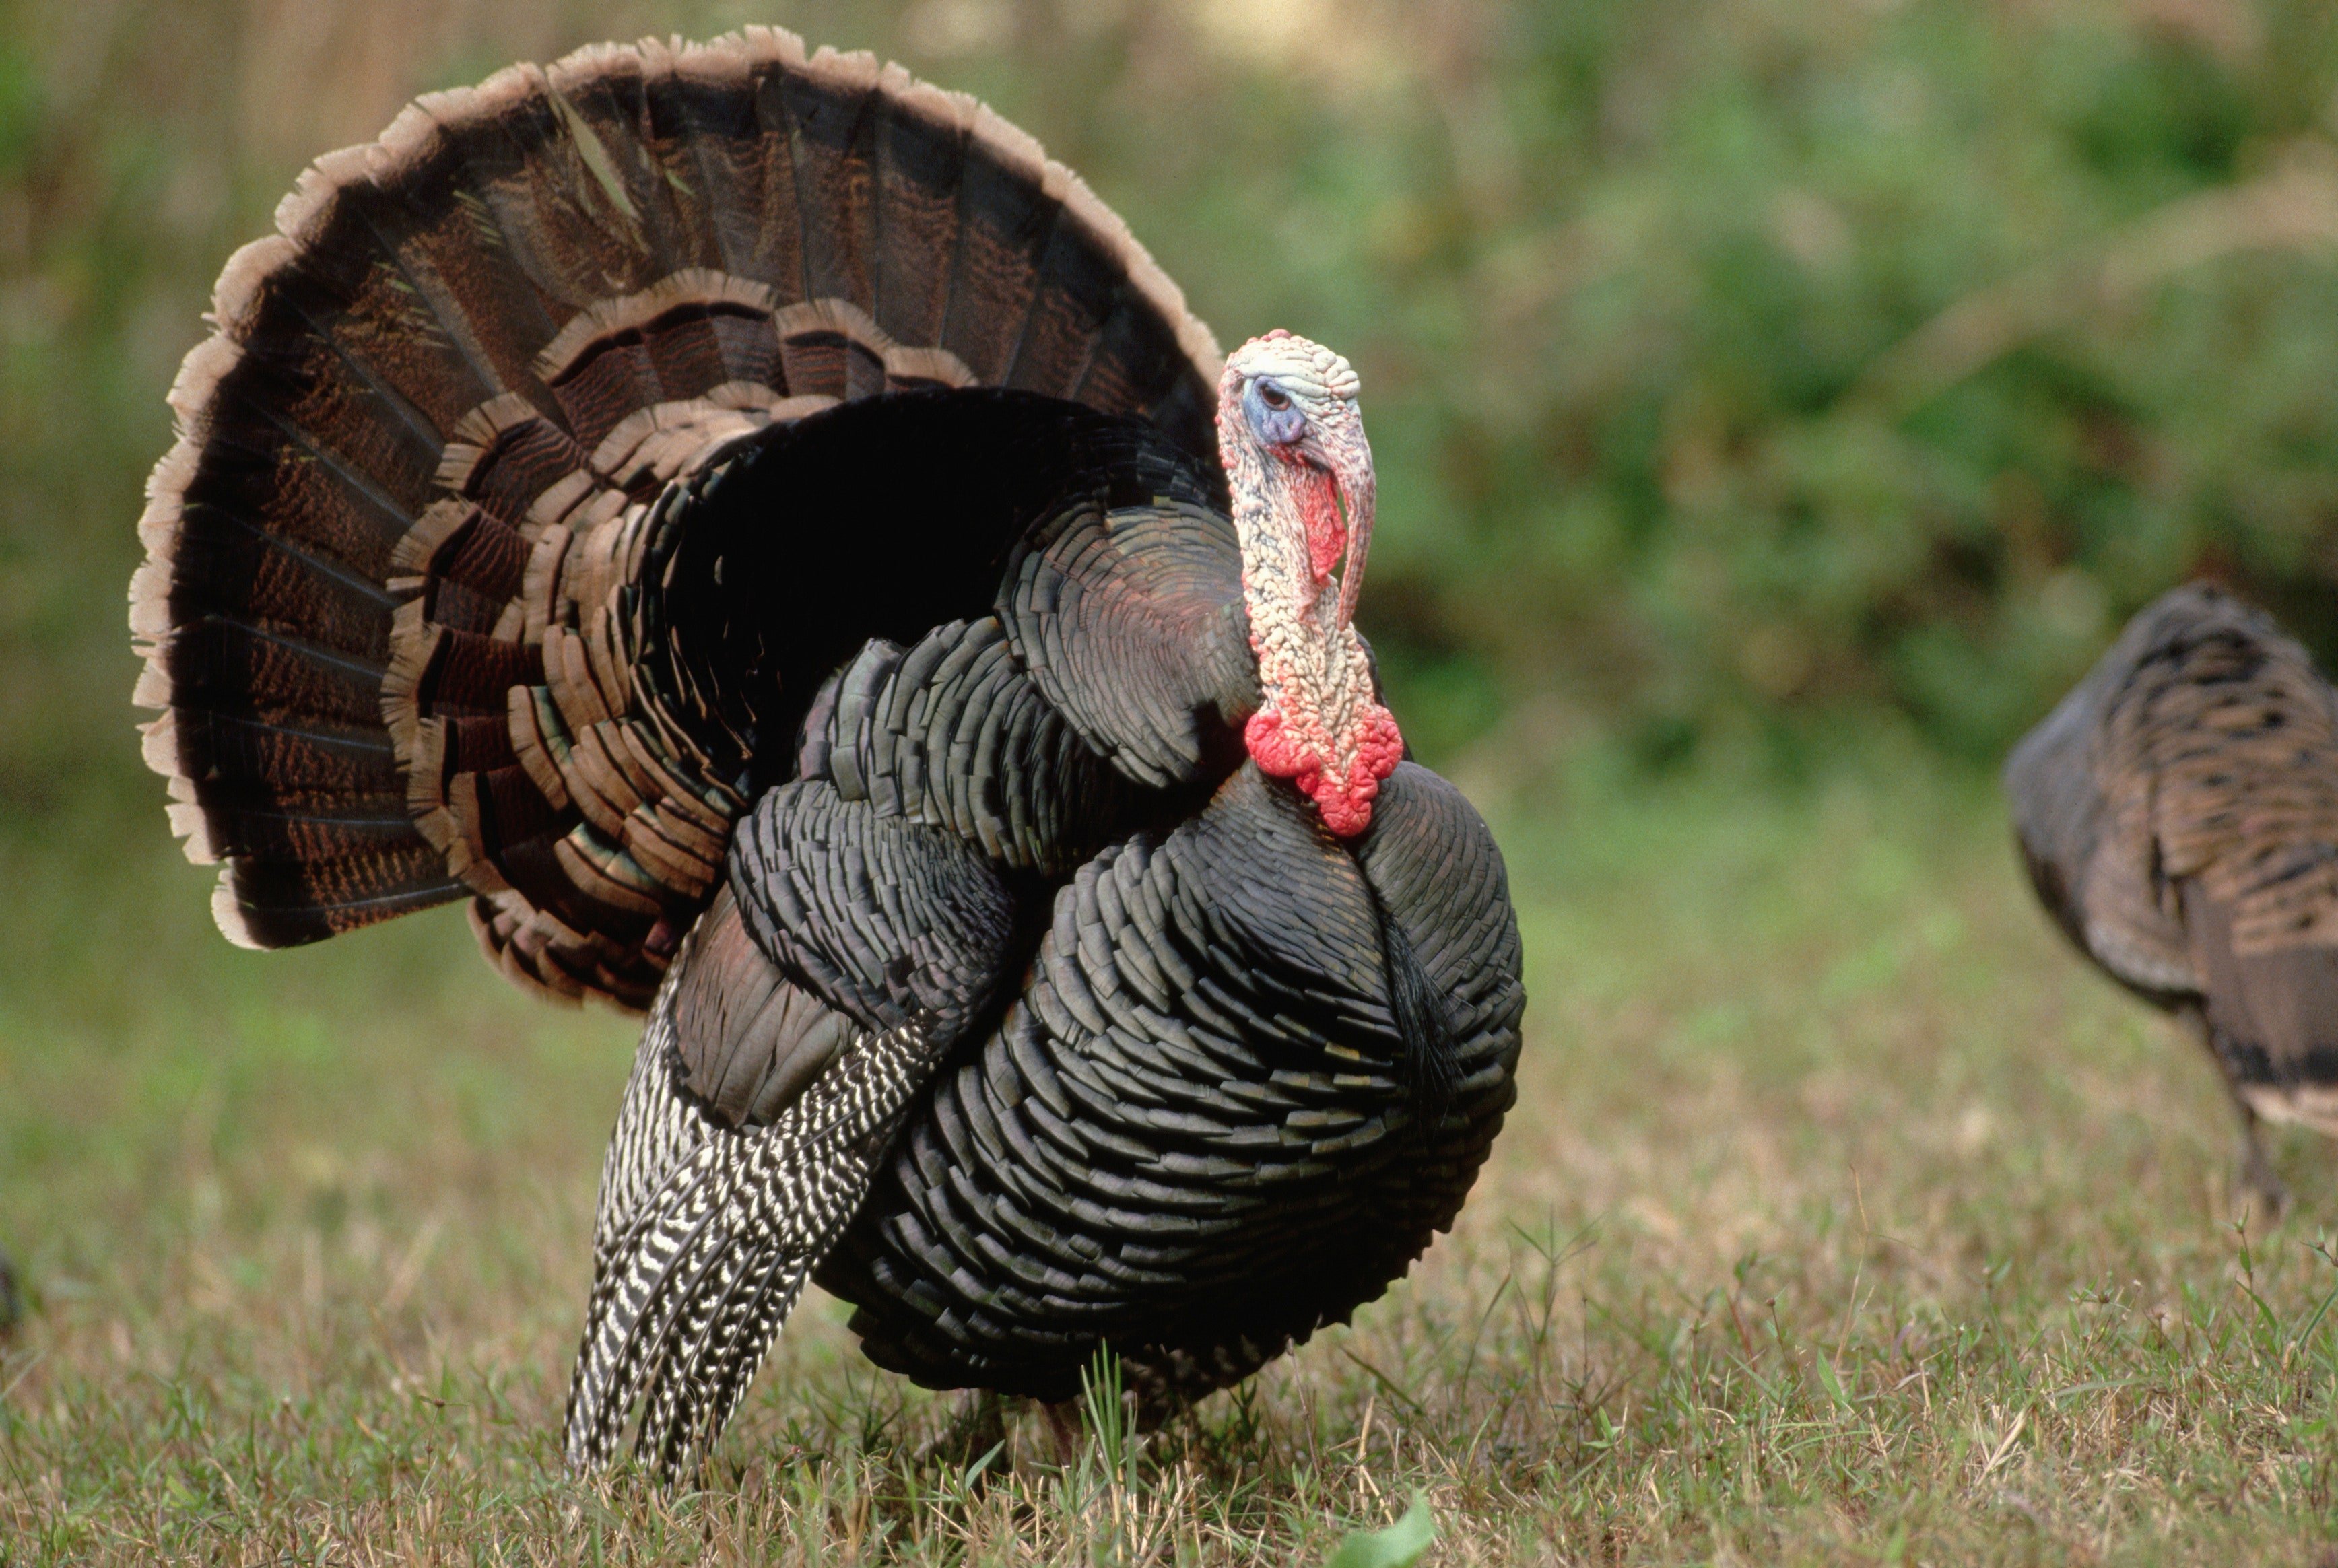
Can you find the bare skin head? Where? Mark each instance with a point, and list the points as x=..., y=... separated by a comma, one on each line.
x=1300, y=471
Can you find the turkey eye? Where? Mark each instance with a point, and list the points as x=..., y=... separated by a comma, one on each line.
x=1273, y=414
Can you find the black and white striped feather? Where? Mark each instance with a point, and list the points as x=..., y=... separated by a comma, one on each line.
x=707, y=1236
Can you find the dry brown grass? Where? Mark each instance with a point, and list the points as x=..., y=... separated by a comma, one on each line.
x=1844, y=1218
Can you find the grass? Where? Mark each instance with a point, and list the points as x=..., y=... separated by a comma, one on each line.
x=1844, y=1217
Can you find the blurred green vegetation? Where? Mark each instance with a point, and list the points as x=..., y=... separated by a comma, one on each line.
x=1739, y=368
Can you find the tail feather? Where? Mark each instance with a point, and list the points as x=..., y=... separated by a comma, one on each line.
x=368, y=274
x=1009, y=214
x=413, y=496
x=832, y=137
x=221, y=666
x=291, y=898
x=920, y=157
x=732, y=144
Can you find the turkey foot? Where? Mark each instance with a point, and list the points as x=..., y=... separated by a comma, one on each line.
x=2260, y=1187
x=2267, y=1192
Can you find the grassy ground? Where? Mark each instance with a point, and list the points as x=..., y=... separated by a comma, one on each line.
x=1845, y=1218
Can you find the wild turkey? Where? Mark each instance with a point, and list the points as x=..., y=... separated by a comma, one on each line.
x=2178, y=813
x=778, y=545
x=12, y=1305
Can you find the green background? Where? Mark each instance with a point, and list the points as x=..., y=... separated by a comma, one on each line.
x=1736, y=369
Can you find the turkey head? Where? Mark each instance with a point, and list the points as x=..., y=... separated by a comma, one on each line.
x=1300, y=474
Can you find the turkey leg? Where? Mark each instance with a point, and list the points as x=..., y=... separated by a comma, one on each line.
x=2258, y=1178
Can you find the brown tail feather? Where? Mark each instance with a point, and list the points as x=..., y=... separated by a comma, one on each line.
x=397, y=559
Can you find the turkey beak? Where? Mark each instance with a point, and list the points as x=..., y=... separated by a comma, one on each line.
x=1349, y=457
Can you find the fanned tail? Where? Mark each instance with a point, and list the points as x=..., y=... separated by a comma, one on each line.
x=402, y=571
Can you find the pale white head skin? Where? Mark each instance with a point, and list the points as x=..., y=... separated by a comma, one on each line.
x=1300, y=472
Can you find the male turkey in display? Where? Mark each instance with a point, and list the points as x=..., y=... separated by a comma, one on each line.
x=2178, y=813
x=774, y=543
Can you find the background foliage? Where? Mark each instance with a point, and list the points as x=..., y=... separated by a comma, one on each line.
x=1735, y=365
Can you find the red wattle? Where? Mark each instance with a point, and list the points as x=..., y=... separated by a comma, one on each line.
x=1278, y=752
x=1344, y=802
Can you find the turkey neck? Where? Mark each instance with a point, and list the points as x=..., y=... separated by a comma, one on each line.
x=1318, y=723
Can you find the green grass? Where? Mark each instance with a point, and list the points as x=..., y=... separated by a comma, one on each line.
x=1844, y=1217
